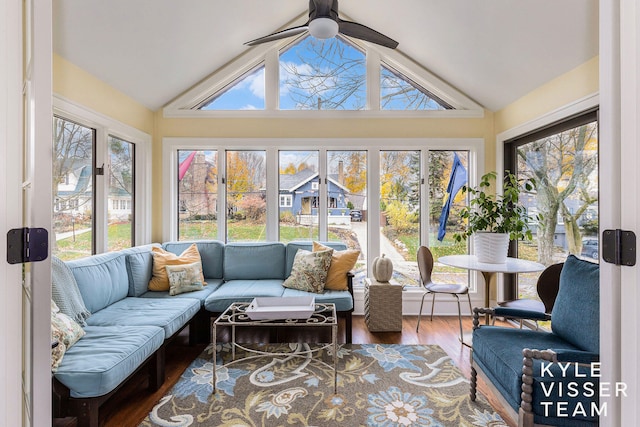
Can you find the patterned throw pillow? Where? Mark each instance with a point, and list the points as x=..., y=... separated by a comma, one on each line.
x=342, y=262
x=66, y=331
x=161, y=258
x=309, y=271
x=184, y=278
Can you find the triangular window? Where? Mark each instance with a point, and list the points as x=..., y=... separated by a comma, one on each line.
x=322, y=75
x=397, y=92
x=244, y=93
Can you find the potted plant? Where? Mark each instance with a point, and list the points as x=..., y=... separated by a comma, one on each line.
x=494, y=220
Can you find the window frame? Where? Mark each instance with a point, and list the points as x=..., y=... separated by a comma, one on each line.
x=104, y=128
x=507, y=285
x=373, y=146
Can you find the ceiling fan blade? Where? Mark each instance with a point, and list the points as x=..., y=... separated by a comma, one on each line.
x=362, y=32
x=289, y=32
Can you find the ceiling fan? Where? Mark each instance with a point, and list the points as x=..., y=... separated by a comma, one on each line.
x=324, y=23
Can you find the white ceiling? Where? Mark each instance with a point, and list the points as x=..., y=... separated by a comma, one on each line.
x=494, y=51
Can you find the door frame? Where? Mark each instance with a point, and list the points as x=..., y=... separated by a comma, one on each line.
x=11, y=215
x=619, y=157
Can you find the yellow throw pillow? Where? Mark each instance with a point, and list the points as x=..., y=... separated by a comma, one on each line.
x=161, y=258
x=341, y=263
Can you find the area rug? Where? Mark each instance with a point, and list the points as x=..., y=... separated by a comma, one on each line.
x=378, y=385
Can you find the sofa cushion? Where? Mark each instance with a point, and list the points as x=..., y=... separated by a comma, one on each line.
x=169, y=314
x=184, y=278
x=140, y=269
x=342, y=299
x=242, y=291
x=105, y=357
x=292, y=248
x=161, y=258
x=212, y=285
x=342, y=262
x=309, y=271
x=211, y=254
x=249, y=261
x=499, y=351
x=576, y=312
x=102, y=279
x=65, y=292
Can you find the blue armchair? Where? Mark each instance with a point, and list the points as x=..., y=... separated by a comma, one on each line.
x=548, y=378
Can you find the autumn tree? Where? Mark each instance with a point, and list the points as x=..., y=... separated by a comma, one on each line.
x=563, y=166
x=245, y=179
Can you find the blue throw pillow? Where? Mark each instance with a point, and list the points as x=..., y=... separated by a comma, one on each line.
x=576, y=313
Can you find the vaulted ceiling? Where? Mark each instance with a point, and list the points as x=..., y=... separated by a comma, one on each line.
x=494, y=51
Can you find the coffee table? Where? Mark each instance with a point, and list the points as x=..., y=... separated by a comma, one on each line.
x=323, y=316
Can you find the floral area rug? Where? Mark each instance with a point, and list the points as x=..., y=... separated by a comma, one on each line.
x=377, y=385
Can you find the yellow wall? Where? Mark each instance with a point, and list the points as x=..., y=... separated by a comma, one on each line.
x=576, y=84
x=75, y=84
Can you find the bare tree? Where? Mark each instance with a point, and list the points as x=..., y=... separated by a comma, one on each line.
x=562, y=165
x=331, y=75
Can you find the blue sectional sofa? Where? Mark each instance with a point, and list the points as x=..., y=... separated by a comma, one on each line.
x=130, y=326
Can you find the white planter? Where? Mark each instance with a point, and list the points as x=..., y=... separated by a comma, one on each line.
x=491, y=248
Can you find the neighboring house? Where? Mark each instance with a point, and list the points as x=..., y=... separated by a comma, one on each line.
x=74, y=196
x=74, y=192
x=299, y=195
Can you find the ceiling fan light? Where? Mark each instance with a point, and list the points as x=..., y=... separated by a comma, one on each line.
x=323, y=28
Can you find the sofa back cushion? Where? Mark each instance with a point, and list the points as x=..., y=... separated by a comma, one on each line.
x=102, y=279
x=246, y=261
x=211, y=255
x=139, y=262
x=292, y=248
x=576, y=313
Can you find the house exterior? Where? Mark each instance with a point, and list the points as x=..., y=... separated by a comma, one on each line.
x=299, y=194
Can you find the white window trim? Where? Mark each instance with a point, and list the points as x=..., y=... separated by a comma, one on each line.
x=267, y=54
x=287, y=199
x=171, y=145
x=571, y=109
x=104, y=127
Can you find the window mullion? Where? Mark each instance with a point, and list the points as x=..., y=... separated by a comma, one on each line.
x=373, y=80
x=222, y=195
x=273, y=199
x=101, y=190
x=323, y=212
x=272, y=81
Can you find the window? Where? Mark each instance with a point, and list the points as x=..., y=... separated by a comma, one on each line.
x=73, y=162
x=347, y=192
x=246, y=93
x=197, y=194
x=121, y=233
x=305, y=75
x=246, y=185
x=298, y=178
x=397, y=92
x=400, y=188
x=325, y=193
x=82, y=223
x=442, y=228
x=563, y=159
x=286, y=200
x=322, y=75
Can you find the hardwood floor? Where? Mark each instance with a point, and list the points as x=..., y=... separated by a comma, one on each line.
x=133, y=402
